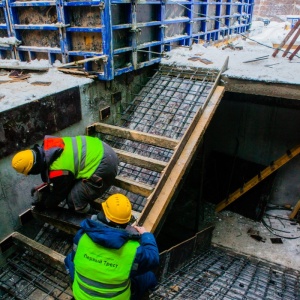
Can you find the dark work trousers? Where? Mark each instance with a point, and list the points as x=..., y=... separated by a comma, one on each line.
x=85, y=191
x=141, y=284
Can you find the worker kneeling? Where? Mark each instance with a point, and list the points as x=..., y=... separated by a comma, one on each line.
x=79, y=169
x=111, y=259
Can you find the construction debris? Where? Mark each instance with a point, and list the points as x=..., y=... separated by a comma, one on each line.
x=232, y=47
x=257, y=59
x=255, y=235
x=17, y=76
x=80, y=62
x=292, y=32
x=203, y=60
x=77, y=71
x=43, y=83
x=276, y=240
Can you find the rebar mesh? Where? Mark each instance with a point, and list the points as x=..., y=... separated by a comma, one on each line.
x=55, y=239
x=165, y=106
x=25, y=277
x=219, y=274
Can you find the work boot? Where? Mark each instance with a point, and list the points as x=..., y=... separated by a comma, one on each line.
x=88, y=210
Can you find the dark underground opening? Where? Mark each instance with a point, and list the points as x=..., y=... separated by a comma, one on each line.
x=239, y=143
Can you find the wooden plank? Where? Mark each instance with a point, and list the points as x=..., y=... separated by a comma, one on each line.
x=295, y=210
x=66, y=220
x=79, y=62
x=258, y=178
x=61, y=218
x=292, y=42
x=134, y=135
x=294, y=53
x=291, y=32
x=133, y=186
x=75, y=72
x=140, y=161
x=50, y=256
x=165, y=189
x=158, y=190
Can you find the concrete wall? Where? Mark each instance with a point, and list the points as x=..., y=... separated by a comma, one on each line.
x=275, y=10
x=15, y=188
x=264, y=132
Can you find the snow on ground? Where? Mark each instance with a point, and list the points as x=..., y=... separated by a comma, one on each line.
x=13, y=94
x=259, y=43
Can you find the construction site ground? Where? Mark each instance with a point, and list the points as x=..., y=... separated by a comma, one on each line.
x=243, y=262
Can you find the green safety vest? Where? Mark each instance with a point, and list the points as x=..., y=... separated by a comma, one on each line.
x=102, y=273
x=81, y=156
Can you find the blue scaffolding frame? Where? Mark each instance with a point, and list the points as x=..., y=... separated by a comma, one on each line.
x=6, y=50
x=126, y=34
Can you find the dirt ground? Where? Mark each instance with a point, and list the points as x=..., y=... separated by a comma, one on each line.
x=275, y=239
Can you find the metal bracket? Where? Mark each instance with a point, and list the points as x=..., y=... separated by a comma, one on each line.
x=136, y=30
x=61, y=25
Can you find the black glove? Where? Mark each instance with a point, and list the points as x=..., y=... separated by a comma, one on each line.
x=39, y=188
x=38, y=195
x=133, y=233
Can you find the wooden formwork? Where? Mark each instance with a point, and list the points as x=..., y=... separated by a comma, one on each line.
x=160, y=195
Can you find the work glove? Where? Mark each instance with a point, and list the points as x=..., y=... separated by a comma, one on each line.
x=133, y=233
x=38, y=202
x=37, y=195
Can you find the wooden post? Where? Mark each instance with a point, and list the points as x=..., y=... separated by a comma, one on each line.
x=295, y=210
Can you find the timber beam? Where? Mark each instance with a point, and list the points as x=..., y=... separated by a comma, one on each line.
x=133, y=135
x=140, y=161
x=133, y=186
x=61, y=218
x=262, y=88
x=160, y=198
x=50, y=256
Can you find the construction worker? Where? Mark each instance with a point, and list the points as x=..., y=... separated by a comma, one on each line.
x=78, y=169
x=111, y=259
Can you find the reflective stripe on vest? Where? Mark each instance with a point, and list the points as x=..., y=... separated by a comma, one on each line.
x=99, y=285
x=57, y=173
x=76, y=154
x=81, y=156
x=101, y=272
x=101, y=295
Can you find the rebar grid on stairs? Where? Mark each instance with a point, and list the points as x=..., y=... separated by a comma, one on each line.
x=55, y=239
x=25, y=277
x=219, y=274
x=165, y=106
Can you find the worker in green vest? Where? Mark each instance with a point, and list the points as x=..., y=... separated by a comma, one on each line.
x=78, y=169
x=111, y=259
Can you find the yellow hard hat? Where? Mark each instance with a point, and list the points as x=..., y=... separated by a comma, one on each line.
x=23, y=161
x=117, y=208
